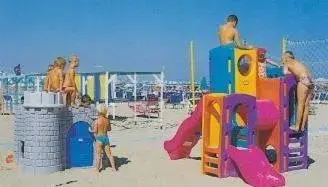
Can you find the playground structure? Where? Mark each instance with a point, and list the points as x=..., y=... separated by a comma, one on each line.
x=244, y=114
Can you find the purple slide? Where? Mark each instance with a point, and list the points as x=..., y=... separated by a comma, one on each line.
x=187, y=135
x=254, y=167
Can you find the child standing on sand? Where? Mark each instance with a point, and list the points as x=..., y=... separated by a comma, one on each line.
x=304, y=90
x=100, y=128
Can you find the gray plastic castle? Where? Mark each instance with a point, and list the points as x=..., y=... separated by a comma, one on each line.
x=51, y=137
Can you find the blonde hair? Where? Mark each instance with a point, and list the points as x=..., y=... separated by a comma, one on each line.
x=102, y=110
x=60, y=61
x=72, y=58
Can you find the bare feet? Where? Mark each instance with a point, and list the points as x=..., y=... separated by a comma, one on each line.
x=294, y=128
x=73, y=105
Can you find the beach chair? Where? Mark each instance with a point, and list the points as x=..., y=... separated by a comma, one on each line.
x=175, y=99
x=6, y=105
x=323, y=98
x=145, y=108
x=320, y=96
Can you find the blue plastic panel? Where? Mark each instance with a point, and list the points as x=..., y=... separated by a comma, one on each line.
x=274, y=72
x=220, y=77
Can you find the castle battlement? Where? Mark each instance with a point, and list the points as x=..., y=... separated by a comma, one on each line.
x=49, y=136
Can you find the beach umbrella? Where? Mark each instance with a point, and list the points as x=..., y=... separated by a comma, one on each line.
x=203, y=84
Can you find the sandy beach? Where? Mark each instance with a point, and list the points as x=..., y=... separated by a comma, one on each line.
x=143, y=162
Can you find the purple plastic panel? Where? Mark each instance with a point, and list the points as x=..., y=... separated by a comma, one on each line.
x=302, y=159
x=289, y=81
x=305, y=144
x=230, y=102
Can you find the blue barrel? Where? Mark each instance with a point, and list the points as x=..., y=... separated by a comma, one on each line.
x=79, y=145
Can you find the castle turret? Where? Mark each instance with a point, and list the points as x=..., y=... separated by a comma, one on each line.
x=45, y=132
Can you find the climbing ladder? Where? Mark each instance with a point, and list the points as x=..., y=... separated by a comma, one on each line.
x=297, y=150
x=211, y=161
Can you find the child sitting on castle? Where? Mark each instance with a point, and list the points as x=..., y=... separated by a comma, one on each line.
x=85, y=101
x=56, y=76
x=46, y=79
x=304, y=89
x=100, y=128
x=69, y=86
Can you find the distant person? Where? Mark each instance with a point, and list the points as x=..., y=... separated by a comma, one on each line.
x=46, y=79
x=100, y=128
x=229, y=35
x=86, y=101
x=261, y=63
x=56, y=76
x=69, y=86
x=304, y=90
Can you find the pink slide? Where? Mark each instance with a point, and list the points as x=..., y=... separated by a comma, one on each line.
x=254, y=167
x=186, y=137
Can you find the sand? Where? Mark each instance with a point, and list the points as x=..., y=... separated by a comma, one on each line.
x=143, y=162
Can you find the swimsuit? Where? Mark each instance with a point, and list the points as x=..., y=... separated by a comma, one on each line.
x=307, y=81
x=103, y=139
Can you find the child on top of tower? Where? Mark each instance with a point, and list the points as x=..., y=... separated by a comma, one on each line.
x=229, y=35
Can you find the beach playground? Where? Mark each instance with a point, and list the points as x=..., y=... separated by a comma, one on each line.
x=151, y=95
x=210, y=143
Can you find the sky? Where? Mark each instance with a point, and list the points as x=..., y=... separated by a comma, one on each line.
x=146, y=35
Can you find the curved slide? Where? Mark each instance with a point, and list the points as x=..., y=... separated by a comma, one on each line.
x=254, y=167
x=187, y=135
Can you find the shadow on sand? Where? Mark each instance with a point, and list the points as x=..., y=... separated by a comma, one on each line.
x=119, y=161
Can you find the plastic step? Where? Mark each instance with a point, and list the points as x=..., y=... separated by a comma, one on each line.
x=296, y=149
x=212, y=150
x=296, y=140
x=210, y=159
x=211, y=170
x=296, y=158
x=291, y=168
